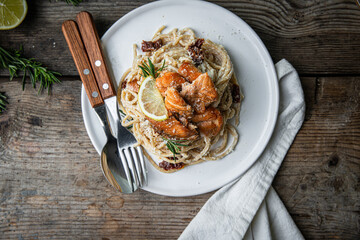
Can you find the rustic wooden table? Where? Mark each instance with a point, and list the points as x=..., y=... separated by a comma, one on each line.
x=51, y=185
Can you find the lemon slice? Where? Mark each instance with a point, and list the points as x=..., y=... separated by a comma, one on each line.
x=12, y=13
x=150, y=100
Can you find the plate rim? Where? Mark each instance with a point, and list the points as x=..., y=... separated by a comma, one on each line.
x=272, y=79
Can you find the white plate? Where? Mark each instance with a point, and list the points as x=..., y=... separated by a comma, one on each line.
x=253, y=67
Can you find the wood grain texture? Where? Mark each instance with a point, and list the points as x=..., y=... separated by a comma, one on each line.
x=80, y=57
x=51, y=185
x=318, y=37
x=319, y=181
x=94, y=51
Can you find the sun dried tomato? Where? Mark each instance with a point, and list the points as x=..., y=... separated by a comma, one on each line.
x=123, y=84
x=235, y=92
x=195, y=51
x=168, y=166
x=148, y=46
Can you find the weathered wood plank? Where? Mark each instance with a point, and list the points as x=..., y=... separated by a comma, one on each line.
x=51, y=186
x=318, y=37
x=319, y=180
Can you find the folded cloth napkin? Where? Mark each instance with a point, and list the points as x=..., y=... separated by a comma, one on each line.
x=249, y=208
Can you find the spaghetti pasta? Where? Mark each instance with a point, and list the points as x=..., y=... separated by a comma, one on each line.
x=174, y=51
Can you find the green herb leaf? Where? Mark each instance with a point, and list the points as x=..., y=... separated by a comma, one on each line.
x=122, y=115
x=73, y=2
x=152, y=68
x=178, y=144
x=145, y=71
x=148, y=69
x=160, y=69
x=14, y=62
x=177, y=150
x=171, y=148
x=3, y=102
x=172, y=145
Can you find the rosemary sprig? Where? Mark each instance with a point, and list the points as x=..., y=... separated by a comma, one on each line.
x=3, y=102
x=73, y=2
x=15, y=63
x=148, y=69
x=173, y=146
x=122, y=115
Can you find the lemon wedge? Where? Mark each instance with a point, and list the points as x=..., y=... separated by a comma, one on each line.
x=150, y=100
x=12, y=13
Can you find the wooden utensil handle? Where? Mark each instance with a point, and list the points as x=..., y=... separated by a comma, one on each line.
x=95, y=53
x=77, y=49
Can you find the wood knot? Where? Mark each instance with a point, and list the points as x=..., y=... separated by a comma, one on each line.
x=92, y=211
x=81, y=183
x=195, y=211
x=115, y=202
x=110, y=224
x=297, y=16
x=333, y=160
x=4, y=124
x=35, y=121
x=337, y=184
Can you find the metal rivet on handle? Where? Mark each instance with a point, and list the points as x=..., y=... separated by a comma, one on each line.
x=98, y=63
x=105, y=86
x=94, y=94
x=86, y=71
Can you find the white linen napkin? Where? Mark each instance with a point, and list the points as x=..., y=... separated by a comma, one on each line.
x=249, y=208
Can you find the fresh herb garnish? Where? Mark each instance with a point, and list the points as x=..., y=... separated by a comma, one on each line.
x=3, y=102
x=15, y=63
x=73, y=2
x=172, y=145
x=122, y=115
x=149, y=69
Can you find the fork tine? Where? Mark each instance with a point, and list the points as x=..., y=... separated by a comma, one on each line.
x=142, y=163
x=126, y=169
x=137, y=166
x=131, y=167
